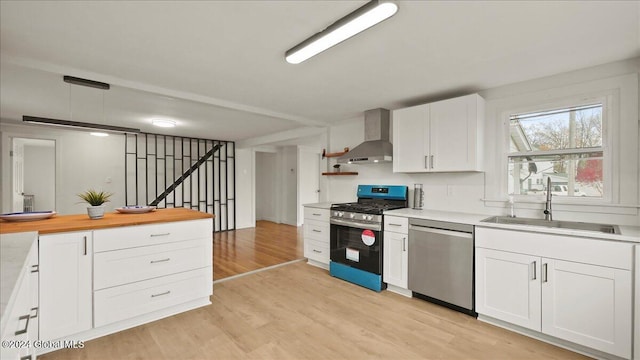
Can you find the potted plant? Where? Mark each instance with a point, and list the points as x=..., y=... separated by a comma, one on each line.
x=95, y=199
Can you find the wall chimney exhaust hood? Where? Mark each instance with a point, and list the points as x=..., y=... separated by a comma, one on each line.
x=376, y=147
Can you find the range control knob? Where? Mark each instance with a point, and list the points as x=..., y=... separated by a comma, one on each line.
x=369, y=217
x=352, y=215
x=340, y=214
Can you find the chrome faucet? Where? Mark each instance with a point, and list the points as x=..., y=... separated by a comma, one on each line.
x=547, y=209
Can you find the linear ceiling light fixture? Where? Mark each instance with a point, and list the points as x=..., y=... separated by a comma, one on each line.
x=84, y=82
x=373, y=12
x=77, y=124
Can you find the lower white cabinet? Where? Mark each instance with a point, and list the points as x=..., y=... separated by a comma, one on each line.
x=65, y=284
x=395, y=253
x=508, y=287
x=535, y=285
x=316, y=236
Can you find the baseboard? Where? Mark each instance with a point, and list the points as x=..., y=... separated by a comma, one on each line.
x=399, y=290
x=318, y=264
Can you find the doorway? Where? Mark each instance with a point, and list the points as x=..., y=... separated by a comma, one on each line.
x=33, y=169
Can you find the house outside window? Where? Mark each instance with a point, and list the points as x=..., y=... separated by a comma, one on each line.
x=565, y=145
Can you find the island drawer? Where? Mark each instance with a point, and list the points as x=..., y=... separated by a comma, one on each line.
x=143, y=235
x=131, y=300
x=112, y=268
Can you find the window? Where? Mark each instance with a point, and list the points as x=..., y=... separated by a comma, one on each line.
x=564, y=145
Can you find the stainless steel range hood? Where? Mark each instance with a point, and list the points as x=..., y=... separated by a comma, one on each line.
x=376, y=147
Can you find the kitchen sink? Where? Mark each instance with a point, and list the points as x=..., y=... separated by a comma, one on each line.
x=574, y=225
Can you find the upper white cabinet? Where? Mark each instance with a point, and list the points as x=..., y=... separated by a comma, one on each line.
x=444, y=136
x=579, y=290
x=65, y=284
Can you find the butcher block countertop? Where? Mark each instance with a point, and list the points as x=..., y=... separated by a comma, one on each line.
x=67, y=223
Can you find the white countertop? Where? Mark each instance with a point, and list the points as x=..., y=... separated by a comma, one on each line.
x=321, y=205
x=628, y=233
x=14, y=249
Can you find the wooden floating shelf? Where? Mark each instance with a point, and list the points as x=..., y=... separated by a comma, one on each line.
x=334, y=154
x=340, y=173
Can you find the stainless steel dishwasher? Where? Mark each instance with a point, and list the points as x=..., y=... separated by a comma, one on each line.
x=441, y=263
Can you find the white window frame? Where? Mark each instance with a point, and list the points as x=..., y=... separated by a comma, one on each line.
x=609, y=127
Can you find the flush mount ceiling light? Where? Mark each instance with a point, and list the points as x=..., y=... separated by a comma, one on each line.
x=163, y=123
x=99, y=134
x=373, y=12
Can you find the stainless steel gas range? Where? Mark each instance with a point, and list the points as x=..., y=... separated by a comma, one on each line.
x=356, y=239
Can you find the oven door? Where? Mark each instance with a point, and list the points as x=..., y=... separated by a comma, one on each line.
x=357, y=245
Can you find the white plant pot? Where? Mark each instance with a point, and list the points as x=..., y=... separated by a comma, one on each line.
x=96, y=212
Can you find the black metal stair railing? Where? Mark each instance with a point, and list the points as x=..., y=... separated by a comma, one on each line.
x=176, y=171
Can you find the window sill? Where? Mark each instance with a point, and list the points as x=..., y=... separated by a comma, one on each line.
x=569, y=205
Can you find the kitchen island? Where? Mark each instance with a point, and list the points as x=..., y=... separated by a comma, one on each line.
x=96, y=277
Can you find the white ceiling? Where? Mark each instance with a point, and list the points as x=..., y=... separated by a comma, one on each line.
x=218, y=69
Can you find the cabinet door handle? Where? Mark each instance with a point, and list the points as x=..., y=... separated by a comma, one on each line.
x=544, y=273
x=36, y=315
x=161, y=294
x=163, y=234
x=534, y=271
x=26, y=324
x=159, y=261
x=35, y=268
x=426, y=161
x=432, y=161
x=404, y=244
x=85, y=245
x=26, y=357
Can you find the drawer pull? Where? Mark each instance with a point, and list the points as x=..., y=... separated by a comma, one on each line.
x=26, y=324
x=317, y=251
x=26, y=357
x=161, y=294
x=392, y=224
x=36, y=315
x=163, y=234
x=316, y=230
x=159, y=261
x=316, y=214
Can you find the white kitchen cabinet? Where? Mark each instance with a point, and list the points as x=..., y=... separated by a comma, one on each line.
x=574, y=289
x=508, y=287
x=65, y=284
x=316, y=236
x=588, y=305
x=395, y=254
x=444, y=136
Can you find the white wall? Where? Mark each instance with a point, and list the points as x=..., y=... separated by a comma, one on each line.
x=288, y=183
x=39, y=176
x=82, y=162
x=245, y=201
x=266, y=186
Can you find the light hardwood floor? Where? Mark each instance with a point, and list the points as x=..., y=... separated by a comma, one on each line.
x=240, y=251
x=298, y=311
